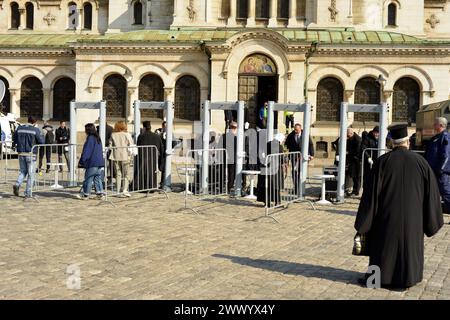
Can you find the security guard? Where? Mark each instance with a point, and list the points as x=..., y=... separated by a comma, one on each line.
x=438, y=156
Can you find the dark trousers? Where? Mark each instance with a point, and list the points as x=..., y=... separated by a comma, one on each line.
x=296, y=166
x=353, y=178
x=66, y=156
x=289, y=121
x=231, y=176
x=47, y=151
x=444, y=189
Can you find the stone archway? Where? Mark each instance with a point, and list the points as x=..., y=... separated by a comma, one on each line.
x=258, y=84
x=63, y=93
x=406, y=100
x=115, y=95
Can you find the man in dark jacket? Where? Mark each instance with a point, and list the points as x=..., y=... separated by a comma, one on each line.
x=63, y=137
x=353, y=163
x=148, y=160
x=24, y=139
x=49, y=138
x=438, y=157
x=370, y=141
x=294, y=144
x=228, y=141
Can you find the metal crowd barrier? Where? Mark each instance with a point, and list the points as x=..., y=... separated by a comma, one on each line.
x=51, y=168
x=365, y=154
x=217, y=182
x=282, y=172
x=9, y=164
x=140, y=172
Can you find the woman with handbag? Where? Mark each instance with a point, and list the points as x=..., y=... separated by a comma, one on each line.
x=93, y=162
x=121, y=156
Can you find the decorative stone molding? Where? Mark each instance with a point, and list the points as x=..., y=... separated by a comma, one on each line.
x=49, y=18
x=348, y=94
x=333, y=10
x=48, y=3
x=433, y=21
x=191, y=11
x=167, y=92
x=387, y=94
x=36, y=52
x=430, y=93
x=289, y=75
x=439, y=4
x=384, y=51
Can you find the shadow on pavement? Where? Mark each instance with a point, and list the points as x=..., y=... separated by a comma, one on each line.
x=297, y=269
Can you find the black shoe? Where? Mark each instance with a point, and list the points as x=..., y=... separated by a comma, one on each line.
x=16, y=190
x=355, y=193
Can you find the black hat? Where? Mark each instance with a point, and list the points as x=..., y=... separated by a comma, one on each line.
x=376, y=129
x=399, y=131
x=147, y=124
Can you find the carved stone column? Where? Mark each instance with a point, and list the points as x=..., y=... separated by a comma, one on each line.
x=292, y=13
x=133, y=95
x=231, y=22
x=273, y=22
x=22, y=23
x=46, y=109
x=14, y=101
x=251, y=22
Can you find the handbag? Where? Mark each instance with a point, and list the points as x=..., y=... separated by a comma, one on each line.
x=360, y=245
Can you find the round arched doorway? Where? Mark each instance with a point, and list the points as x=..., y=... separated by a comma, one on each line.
x=258, y=84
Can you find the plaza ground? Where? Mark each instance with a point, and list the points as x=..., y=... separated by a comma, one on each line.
x=147, y=248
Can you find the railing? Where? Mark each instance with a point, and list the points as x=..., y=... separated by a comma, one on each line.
x=132, y=169
x=283, y=176
x=217, y=183
x=9, y=167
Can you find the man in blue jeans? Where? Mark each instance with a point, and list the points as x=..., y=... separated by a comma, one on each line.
x=24, y=139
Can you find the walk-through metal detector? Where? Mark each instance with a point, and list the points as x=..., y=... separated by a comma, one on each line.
x=74, y=106
x=305, y=108
x=382, y=109
x=238, y=106
x=167, y=107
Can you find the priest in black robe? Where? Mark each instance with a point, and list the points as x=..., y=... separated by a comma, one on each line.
x=148, y=161
x=399, y=205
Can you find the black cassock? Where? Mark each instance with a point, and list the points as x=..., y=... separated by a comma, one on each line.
x=273, y=169
x=400, y=204
x=147, y=162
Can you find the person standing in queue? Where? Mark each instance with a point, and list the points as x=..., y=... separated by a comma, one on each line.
x=399, y=205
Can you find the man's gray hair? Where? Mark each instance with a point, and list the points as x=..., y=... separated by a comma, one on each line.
x=442, y=122
x=399, y=142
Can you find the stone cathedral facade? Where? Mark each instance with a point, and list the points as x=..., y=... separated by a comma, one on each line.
x=187, y=51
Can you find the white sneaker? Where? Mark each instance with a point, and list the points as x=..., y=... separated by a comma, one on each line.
x=127, y=194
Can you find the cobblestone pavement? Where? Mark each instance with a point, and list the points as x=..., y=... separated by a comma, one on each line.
x=146, y=248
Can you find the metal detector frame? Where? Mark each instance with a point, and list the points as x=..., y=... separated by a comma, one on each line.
x=238, y=106
x=167, y=107
x=305, y=108
x=383, y=110
x=74, y=106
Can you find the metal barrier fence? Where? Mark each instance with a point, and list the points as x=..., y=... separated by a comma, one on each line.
x=365, y=154
x=132, y=169
x=51, y=167
x=9, y=164
x=217, y=182
x=282, y=172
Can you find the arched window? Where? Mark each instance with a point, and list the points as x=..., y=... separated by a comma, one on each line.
x=367, y=91
x=5, y=104
x=242, y=9
x=151, y=88
x=15, y=16
x=115, y=95
x=29, y=8
x=406, y=100
x=262, y=9
x=137, y=12
x=330, y=94
x=31, y=98
x=63, y=93
x=392, y=14
x=73, y=15
x=87, y=11
x=283, y=9
x=187, y=98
